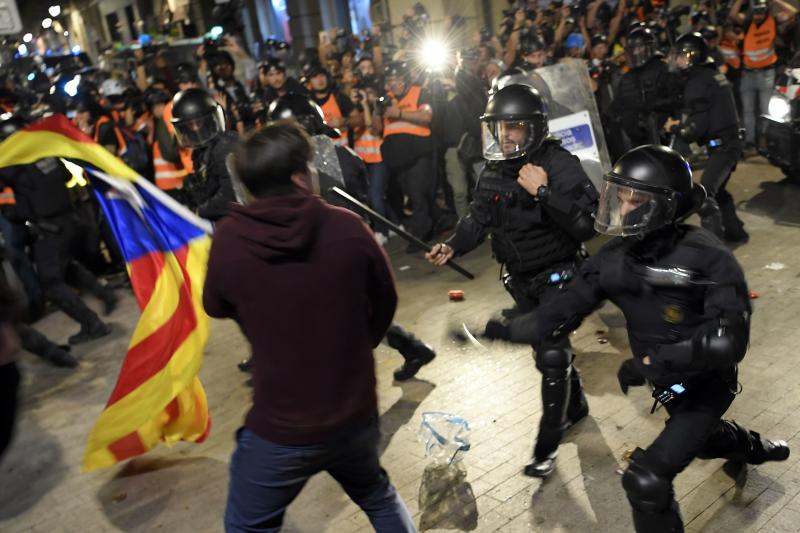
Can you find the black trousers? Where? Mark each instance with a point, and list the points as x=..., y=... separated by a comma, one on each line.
x=562, y=391
x=9, y=383
x=418, y=183
x=719, y=167
x=695, y=428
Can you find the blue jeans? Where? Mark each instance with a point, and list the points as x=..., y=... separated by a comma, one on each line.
x=266, y=477
x=378, y=177
x=756, y=86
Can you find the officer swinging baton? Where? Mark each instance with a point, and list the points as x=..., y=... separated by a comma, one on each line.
x=368, y=211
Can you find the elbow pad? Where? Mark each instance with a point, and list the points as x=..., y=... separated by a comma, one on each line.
x=726, y=344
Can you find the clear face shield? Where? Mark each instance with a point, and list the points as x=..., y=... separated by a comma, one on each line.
x=199, y=131
x=625, y=211
x=506, y=139
x=638, y=54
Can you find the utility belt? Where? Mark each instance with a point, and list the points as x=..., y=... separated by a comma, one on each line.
x=532, y=287
x=669, y=392
x=725, y=140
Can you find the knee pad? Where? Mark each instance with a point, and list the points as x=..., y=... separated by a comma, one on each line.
x=554, y=362
x=647, y=491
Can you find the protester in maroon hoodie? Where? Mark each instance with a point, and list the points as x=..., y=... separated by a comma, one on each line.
x=313, y=293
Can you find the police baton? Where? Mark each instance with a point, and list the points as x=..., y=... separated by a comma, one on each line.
x=368, y=211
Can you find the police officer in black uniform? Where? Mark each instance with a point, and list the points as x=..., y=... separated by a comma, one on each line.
x=536, y=202
x=647, y=92
x=709, y=118
x=309, y=115
x=45, y=202
x=199, y=123
x=687, y=308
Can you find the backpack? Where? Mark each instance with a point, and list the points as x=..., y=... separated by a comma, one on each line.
x=137, y=153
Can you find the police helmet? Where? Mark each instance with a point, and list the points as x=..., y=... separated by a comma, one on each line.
x=759, y=7
x=197, y=118
x=273, y=64
x=693, y=47
x=514, y=123
x=309, y=70
x=396, y=69
x=10, y=124
x=304, y=110
x=532, y=43
x=650, y=187
x=640, y=46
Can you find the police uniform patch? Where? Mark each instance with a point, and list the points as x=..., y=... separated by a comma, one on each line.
x=672, y=314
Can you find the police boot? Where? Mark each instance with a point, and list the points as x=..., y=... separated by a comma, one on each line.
x=90, y=331
x=416, y=353
x=110, y=300
x=711, y=218
x=60, y=356
x=731, y=223
x=765, y=450
x=38, y=344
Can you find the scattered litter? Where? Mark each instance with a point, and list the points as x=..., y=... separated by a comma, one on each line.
x=456, y=295
x=119, y=497
x=620, y=471
x=626, y=455
x=445, y=435
x=775, y=265
x=602, y=340
x=754, y=295
x=404, y=268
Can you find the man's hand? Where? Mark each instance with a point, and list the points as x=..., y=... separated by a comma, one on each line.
x=629, y=376
x=440, y=254
x=392, y=112
x=531, y=177
x=671, y=123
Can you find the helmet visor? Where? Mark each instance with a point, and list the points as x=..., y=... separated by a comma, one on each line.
x=506, y=139
x=197, y=132
x=637, y=54
x=626, y=211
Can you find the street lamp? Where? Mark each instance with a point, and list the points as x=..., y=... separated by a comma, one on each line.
x=28, y=37
x=46, y=23
x=54, y=10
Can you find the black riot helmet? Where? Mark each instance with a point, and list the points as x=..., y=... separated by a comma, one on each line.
x=514, y=123
x=532, y=43
x=304, y=110
x=693, y=48
x=650, y=187
x=10, y=124
x=197, y=118
x=640, y=46
x=397, y=69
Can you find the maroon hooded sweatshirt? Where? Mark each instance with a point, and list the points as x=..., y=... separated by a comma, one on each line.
x=313, y=292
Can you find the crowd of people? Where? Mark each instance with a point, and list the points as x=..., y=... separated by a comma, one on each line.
x=434, y=139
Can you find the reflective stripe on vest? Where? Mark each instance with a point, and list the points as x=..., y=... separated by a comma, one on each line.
x=368, y=147
x=331, y=110
x=168, y=175
x=759, y=44
x=7, y=196
x=409, y=103
x=731, y=53
x=122, y=146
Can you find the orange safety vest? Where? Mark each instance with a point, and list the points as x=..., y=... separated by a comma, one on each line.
x=185, y=153
x=732, y=54
x=7, y=196
x=759, y=44
x=168, y=175
x=409, y=103
x=122, y=146
x=368, y=146
x=331, y=110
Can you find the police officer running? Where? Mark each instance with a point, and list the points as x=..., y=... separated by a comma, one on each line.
x=687, y=307
x=199, y=123
x=536, y=202
x=709, y=118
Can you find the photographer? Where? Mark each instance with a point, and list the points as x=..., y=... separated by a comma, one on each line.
x=272, y=82
x=229, y=92
x=337, y=107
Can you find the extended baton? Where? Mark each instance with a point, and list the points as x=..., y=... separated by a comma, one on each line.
x=365, y=209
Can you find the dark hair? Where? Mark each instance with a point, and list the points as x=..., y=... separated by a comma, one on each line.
x=268, y=157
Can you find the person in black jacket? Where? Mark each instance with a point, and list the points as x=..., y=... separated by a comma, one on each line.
x=536, y=202
x=709, y=118
x=199, y=123
x=687, y=309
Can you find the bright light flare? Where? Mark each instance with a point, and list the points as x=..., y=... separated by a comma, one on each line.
x=28, y=37
x=779, y=108
x=46, y=23
x=54, y=11
x=22, y=49
x=434, y=54
x=71, y=87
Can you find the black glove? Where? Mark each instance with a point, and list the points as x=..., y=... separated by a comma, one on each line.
x=629, y=375
x=497, y=330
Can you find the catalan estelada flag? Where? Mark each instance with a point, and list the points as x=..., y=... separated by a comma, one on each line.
x=158, y=396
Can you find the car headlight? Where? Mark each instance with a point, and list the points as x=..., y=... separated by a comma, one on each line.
x=779, y=108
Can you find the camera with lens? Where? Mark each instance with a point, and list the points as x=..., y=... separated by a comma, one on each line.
x=383, y=103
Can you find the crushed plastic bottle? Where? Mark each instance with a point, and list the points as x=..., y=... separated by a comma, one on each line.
x=445, y=435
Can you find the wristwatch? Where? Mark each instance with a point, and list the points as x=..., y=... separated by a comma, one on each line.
x=543, y=192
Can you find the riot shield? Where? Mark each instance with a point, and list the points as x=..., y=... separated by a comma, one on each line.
x=242, y=194
x=572, y=112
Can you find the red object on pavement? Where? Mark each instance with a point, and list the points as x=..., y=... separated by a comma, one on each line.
x=754, y=295
x=456, y=295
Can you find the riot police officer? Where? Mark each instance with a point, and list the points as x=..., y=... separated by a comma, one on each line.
x=311, y=117
x=536, y=202
x=709, y=118
x=199, y=123
x=42, y=198
x=646, y=95
x=687, y=308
